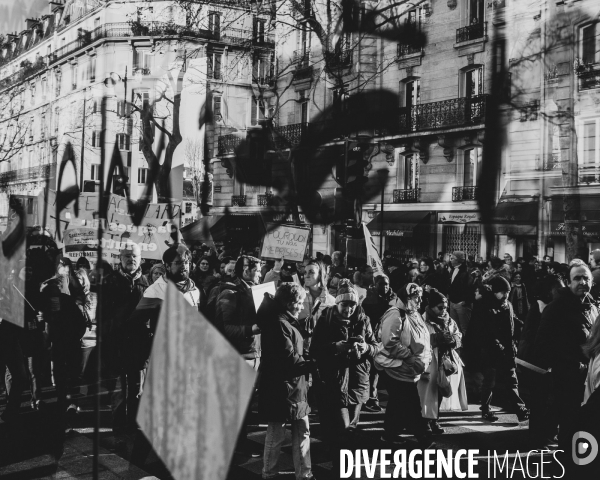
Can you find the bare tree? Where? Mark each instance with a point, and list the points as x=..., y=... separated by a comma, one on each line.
x=194, y=163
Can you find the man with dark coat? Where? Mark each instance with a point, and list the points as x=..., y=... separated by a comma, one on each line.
x=343, y=346
x=565, y=327
x=498, y=348
x=121, y=295
x=380, y=298
x=283, y=390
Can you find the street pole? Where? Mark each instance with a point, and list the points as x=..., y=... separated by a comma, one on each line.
x=381, y=225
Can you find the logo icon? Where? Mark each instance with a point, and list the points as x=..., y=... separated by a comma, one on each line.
x=584, y=448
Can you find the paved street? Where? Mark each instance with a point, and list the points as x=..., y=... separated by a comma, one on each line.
x=30, y=450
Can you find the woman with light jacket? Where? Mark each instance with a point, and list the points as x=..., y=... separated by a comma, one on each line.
x=445, y=339
x=406, y=354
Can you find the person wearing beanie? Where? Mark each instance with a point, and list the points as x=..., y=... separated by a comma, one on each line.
x=460, y=293
x=405, y=355
x=498, y=348
x=445, y=339
x=342, y=345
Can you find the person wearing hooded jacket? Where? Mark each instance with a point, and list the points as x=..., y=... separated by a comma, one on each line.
x=498, y=347
x=342, y=345
x=405, y=355
x=283, y=390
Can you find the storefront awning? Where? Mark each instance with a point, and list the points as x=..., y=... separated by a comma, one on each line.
x=589, y=216
x=397, y=224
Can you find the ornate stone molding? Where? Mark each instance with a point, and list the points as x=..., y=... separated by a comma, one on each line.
x=444, y=142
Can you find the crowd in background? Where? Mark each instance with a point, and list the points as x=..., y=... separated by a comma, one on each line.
x=328, y=340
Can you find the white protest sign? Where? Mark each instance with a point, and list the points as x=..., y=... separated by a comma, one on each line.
x=372, y=254
x=285, y=241
x=258, y=292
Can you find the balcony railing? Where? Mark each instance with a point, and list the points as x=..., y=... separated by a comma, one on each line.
x=265, y=200
x=589, y=76
x=26, y=71
x=239, y=36
x=404, y=50
x=226, y=144
x=41, y=172
x=238, y=200
x=264, y=80
x=460, y=194
x=301, y=58
x=407, y=196
x=447, y=113
x=143, y=29
x=471, y=32
x=588, y=174
x=339, y=59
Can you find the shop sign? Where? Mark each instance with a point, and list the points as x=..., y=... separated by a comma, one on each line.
x=459, y=217
x=561, y=230
x=288, y=218
x=394, y=233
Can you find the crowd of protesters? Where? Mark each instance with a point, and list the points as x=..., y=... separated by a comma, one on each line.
x=328, y=340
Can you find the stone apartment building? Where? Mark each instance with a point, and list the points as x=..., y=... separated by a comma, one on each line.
x=430, y=200
x=55, y=73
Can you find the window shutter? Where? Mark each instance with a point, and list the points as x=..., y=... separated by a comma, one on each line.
x=127, y=141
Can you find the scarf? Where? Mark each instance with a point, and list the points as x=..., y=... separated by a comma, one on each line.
x=185, y=285
x=131, y=277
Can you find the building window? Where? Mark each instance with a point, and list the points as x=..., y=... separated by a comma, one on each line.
x=214, y=23
x=589, y=151
x=214, y=65
x=217, y=108
x=408, y=173
x=142, y=62
x=123, y=141
x=123, y=108
x=92, y=68
x=259, y=30
x=74, y=76
x=589, y=38
x=340, y=97
x=262, y=71
x=142, y=175
x=95, y=174
x=412, y=93
x=471, y=167
x=416, y=16
x=258, y=112
x=474, y=12
x=473, y=82
x=96, y=138
x=141, y=98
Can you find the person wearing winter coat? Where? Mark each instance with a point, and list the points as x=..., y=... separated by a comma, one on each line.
x=445, y=339
x=564, y=329
x=519, y=297
x=405, y=355
x=380, y=298
x=498, y=348
x=283, y=390
x=342, y=345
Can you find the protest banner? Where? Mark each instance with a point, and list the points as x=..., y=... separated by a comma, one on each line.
x=258, y=292
x=195, y=427
x=372, y=254
x=285, y=241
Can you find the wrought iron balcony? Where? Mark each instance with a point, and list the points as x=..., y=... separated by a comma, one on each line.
x=589, y=76
x=239, y=36
x=238, y=200
x=293, y=133
x=226, y=144
x=265, y=200
x=404, y=50
x=339, y=59
x=27, y=69
x=264, y=80
x=447, y=113
x=407, y=196
x=471, y=32
x=41, y=172
x=588, y=174
x=301, y=58
x=460, y=194
x=135, y=29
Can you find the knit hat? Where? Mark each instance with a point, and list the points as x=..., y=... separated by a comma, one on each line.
x=346, y=292
x=436, y=298
x=499, y=284
x=460, y=256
